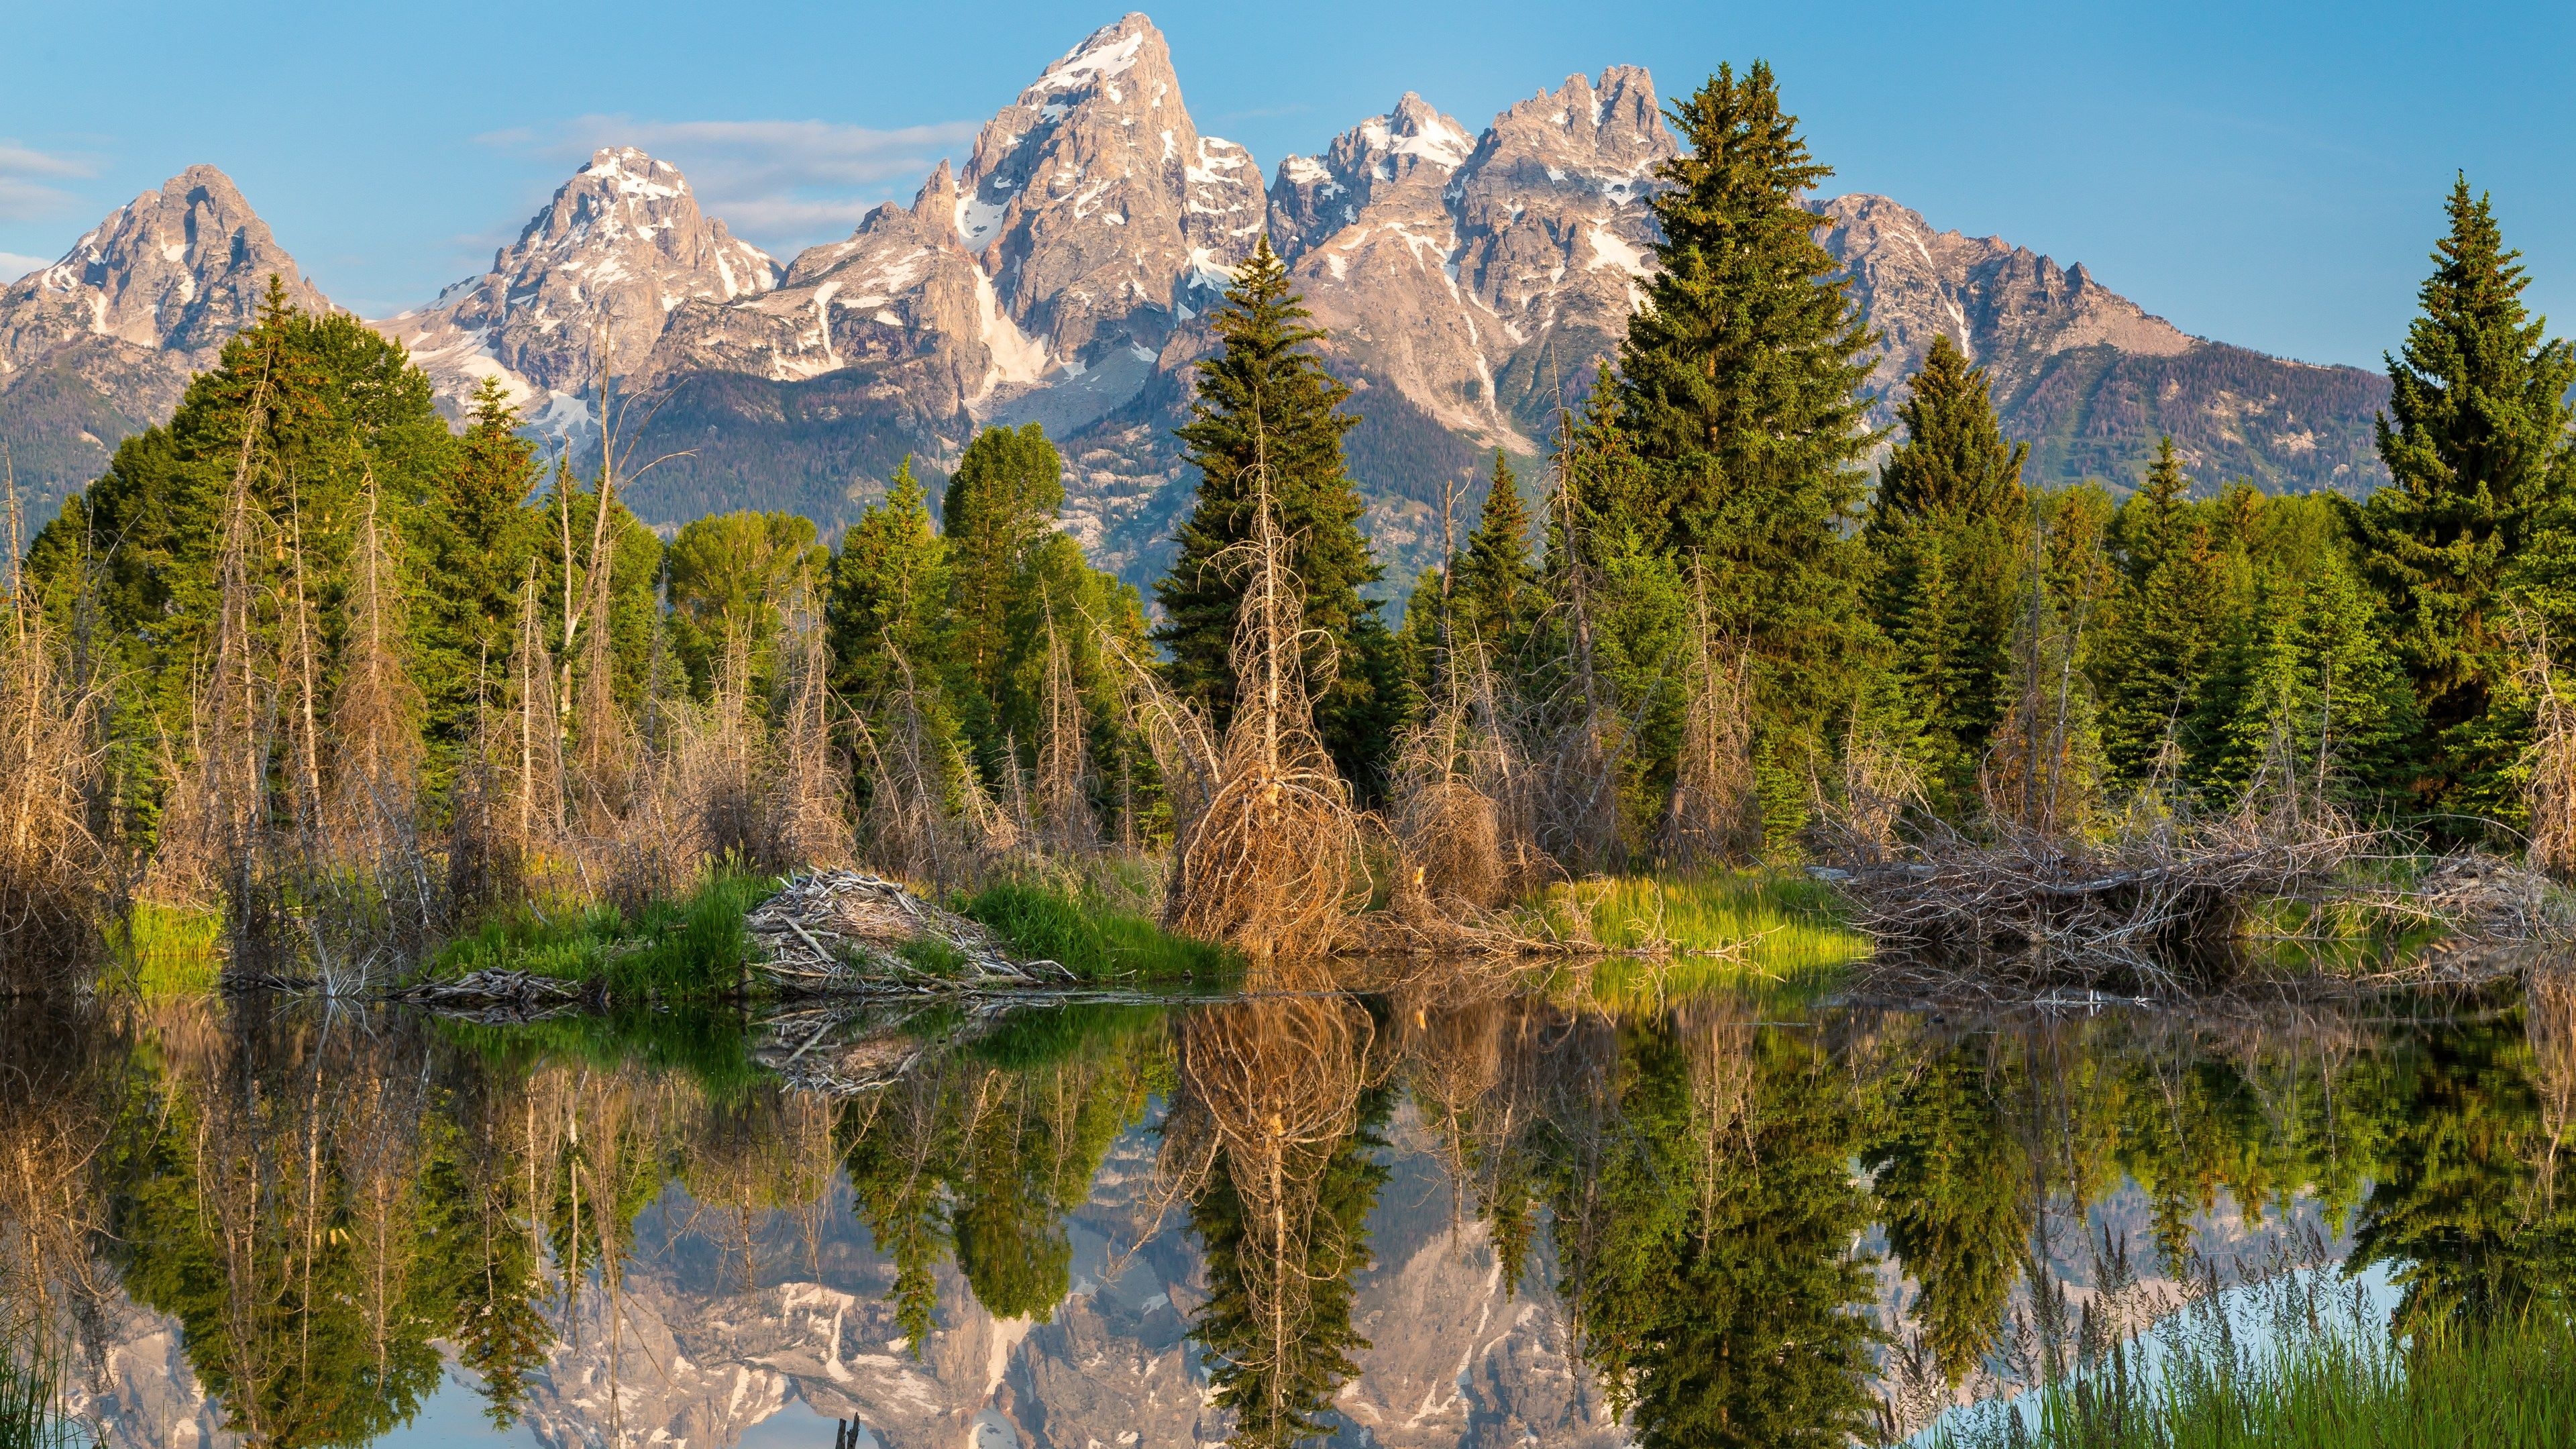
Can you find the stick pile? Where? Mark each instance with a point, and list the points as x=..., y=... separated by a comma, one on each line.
x=846, y=930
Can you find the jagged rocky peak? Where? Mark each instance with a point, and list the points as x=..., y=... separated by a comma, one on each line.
x=1092, y=199
x=1609, y=134
x=180, y=270
x=2007, y=307
x=619, y=248
x=1411, y=148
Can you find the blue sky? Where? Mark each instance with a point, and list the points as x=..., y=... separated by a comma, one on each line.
x=2269, y=175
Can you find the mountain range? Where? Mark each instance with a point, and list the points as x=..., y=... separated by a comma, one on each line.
x=1469, y=282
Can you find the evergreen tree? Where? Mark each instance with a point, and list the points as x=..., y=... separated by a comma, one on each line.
x=2478, y=449
x=1265, y=403
x=1740, y=386
x=1000, y=505
x=889, y=593
x=1950, y=529
x=1497, y=588
x=2165, y=615
x=479, y=538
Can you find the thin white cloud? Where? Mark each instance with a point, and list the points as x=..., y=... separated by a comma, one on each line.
x=13, y=266
x=26, y=174
x=783, y=184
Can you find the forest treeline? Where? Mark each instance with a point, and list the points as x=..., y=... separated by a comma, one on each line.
x=305, y=635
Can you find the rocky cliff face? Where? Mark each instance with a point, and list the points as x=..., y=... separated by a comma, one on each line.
x=1470, y=280
x=2087, y=376
x=101, y=344
x=595, y=276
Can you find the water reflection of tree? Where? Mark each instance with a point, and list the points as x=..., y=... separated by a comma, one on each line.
x=274, y=1195
x=1275, y=1133
x=1955, y=1191
x=986, y=1154
x=1707, y=1212
x=2463, y=1209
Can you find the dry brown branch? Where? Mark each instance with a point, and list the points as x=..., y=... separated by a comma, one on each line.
x=2550, y=788
x=53, y=868
x=2036, y=904
x=1271, y=865
x=1714, y=816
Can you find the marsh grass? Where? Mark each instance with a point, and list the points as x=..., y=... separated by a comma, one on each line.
x=31, y=1412
x=1732, y=921
x=1095, y=937
x=692, y=948
x=161, y=950
x=2327, y=1376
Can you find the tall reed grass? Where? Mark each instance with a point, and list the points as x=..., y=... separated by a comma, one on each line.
x=2326, y=1375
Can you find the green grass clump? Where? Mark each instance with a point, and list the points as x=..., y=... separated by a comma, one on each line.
x=1092, y=938
x=31, y=1412
x=1733, y=921
x=2322, y=1382
x=167, y=950
x=692, y=948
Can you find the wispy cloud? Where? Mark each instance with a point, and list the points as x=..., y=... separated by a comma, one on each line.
x=782, y=183
x=26, y=177
x=13, y=266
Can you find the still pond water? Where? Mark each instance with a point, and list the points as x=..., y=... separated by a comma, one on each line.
x=1416, y=1218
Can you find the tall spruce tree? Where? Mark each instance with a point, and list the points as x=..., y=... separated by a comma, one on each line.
x=1496, y=581
x=2166, y=612
x=479, y=538
x=1740, y=385
x=1265, y=402
x=2478, y=449
x=1950, y=529
x=889, y=594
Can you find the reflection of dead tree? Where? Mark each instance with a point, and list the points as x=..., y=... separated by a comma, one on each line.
x=1270, y=865
x=2550, y=1004
x=1270, y=1089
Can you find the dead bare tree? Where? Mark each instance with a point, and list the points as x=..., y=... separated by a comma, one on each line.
x=1272, y=863
x=2549, y=790
x=1714, y=816
x=53, y=868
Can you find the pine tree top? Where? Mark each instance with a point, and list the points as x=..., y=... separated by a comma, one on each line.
x=1954, y=462
x=2478, y=394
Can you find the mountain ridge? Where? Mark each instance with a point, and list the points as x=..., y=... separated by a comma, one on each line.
x=1470, y=282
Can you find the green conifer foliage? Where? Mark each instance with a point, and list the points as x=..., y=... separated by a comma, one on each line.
x=1498, y=593
x=308, y=409
x=1266, y=399
x=889, y=593
x=479, y=537
x=2478, y=448
x=2169, y=603
x=1739, y=385
x=1001, y=503
x=1950, y=530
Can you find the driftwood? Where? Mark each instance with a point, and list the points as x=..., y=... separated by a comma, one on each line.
x=846, y=931
x=2064, y=907
x=493, y=995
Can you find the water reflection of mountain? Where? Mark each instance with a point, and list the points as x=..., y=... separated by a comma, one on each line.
x=1394, y=1221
